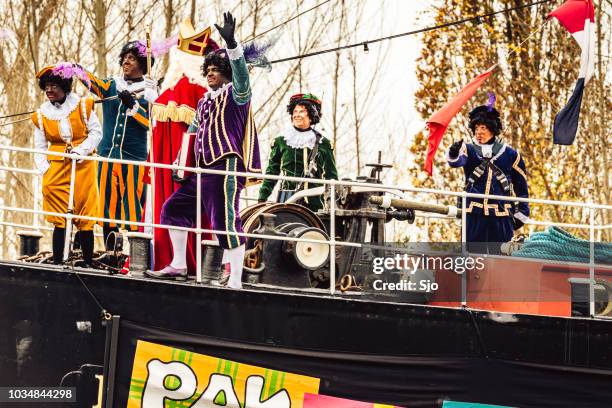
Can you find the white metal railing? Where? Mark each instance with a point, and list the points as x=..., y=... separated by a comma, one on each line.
x=332, y=185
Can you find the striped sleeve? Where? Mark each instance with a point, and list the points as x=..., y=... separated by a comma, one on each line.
x=99, y=87
x=141, y=116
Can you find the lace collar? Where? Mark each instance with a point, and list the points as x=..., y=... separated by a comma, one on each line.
x=50, y=111
x=298, y=140
x=213, y=94
x=122, y=84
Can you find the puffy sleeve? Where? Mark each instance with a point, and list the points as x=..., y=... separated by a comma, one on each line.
x=40, y=143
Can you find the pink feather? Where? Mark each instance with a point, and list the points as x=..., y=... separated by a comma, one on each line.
x=69, y=70
x=157, y=47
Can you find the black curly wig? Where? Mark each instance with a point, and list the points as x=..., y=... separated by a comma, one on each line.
x=313, y=110
x=133, y=48
x=48, y=77
x=484, y=115
x=220, y=60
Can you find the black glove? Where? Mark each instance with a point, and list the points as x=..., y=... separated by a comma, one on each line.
x=518, y=224
x=227, y=31
x=127, y=99
x=454, y=149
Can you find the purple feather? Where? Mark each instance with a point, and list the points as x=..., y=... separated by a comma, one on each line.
x=142, y=48
x=255, y=53
x=491, y=101
x=68, y=70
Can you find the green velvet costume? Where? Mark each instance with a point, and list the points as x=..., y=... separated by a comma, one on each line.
x=289, y=161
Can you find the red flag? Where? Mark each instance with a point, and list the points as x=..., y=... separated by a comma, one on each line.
x=439, y=121
x=572, y=15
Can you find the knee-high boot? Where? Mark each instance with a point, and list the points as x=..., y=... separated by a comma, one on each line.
x=59, y=235
x=87, y=245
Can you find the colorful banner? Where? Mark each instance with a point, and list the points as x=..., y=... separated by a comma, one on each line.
x=169, y=377
x=158, y=368
x=324, y=401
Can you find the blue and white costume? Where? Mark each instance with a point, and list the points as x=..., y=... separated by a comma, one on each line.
x=495, y=169
x=491, y=167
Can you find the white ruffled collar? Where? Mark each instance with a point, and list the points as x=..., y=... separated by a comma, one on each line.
x=122, y=84
x=487, y=149
x=298, y=140
x=213, y=94
x=52, y=112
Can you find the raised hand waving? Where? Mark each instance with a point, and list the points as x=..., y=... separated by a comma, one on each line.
x=227, y=31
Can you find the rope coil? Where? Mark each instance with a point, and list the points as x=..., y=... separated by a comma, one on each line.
x=559, y=245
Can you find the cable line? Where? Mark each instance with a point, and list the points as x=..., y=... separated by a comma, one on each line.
x=422, y=30
x=291, y=19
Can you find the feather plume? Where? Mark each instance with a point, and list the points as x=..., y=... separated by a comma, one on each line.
x=69, y=70
x=158, y=48
x=163, y=47
x=255, y=52
x=491, y=101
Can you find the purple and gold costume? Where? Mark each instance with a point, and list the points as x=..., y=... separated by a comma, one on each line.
x=226, y=140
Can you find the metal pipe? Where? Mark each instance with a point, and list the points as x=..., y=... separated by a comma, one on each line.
x=463, y=248
x=210, y=231
x=319, y=181
x=416, y=205
x=16, y=170
x=199, y=230
x=332, y=241
x=36, y=206
x=69, y=212
x=592, y=262
x=25, y=226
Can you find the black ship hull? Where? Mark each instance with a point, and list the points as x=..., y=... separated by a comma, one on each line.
x=417, y=355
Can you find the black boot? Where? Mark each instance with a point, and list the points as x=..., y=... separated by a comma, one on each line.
x=76, y=242
x=109, y=243
x=87, y=246
x=59, y=235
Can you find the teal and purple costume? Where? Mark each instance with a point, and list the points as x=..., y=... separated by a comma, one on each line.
x=226, y=139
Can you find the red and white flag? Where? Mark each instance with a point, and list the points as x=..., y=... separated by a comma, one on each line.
x=578, y=17
x=439, y=121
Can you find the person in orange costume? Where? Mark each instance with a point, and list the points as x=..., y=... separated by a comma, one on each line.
x=67, y=123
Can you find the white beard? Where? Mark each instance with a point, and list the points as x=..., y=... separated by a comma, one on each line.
x=182, y=63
